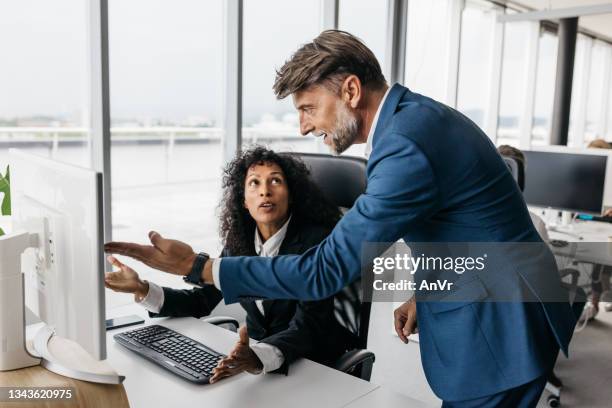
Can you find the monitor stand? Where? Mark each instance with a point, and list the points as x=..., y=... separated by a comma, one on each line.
x=67, y=358
x=59, y=355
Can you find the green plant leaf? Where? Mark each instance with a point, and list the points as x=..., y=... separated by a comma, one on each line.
x=1, y=232
x=5, y=187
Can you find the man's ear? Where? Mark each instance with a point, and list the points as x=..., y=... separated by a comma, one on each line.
x=351, y=91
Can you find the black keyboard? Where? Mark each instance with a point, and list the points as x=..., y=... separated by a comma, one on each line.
x=177, y=353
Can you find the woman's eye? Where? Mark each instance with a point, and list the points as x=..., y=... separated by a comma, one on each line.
x=252, y=183
x=276, y=181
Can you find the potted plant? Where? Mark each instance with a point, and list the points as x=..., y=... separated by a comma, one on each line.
x=5, y=203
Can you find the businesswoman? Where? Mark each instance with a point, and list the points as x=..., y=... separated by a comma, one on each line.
x=269, y=207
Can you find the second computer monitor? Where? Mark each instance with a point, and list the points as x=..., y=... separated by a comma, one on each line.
x=566, y=181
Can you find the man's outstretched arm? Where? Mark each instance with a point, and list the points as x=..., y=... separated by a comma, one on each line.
x=401, y=191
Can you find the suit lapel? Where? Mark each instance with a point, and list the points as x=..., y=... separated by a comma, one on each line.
x=252, y=309
x=390, y=106
x=292, y=243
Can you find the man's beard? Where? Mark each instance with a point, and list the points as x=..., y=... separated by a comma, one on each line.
x=346, y=129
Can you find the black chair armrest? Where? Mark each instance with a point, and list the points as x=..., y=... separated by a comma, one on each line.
x=356, y=362
x=221, y=320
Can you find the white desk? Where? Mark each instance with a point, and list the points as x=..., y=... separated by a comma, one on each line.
x=148, y=385
x=383, y=397
x=594, y=247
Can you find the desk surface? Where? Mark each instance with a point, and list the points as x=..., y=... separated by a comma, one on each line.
x=383, y=397
x=308, y=383
x=87, y=394
x=594, y=247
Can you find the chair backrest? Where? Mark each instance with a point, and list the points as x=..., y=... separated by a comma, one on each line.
x=342, y=179
x=517, y=169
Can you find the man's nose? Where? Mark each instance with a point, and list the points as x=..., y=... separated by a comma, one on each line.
x=305, y=127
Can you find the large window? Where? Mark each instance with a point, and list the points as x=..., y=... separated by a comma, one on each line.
x=43, y=81
x=475, y=61
x=427, y=47
x=595, y=90
x=268, y=43
x=580, y=82
x=609, y=115
x=513, y=82
x=367, y=20
x=545, y=88
x=166, y=81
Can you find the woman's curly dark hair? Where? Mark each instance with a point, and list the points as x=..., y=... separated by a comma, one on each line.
x=306, y=202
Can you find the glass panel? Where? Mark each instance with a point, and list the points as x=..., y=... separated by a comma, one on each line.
x=545, y=88
x=367, y=20
x=513, y=82
x=427, y=47
x=477, y=26
x=43, y=80
x=166, y=64
x=575, y=134
x=266, y=120
x=609, y=116
x=595, y=91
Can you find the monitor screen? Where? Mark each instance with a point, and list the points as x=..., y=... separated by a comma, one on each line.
x=566, y=181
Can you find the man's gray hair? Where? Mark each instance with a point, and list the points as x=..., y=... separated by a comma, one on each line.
x=327, y=61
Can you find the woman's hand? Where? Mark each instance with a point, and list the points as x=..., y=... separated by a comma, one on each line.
x=125, y=279
x=242, y=358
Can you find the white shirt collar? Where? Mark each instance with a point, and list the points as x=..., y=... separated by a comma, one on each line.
x=368, y=148
x=273, y=244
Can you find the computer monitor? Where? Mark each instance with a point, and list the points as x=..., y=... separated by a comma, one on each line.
x=565, y=181
x=64, y=276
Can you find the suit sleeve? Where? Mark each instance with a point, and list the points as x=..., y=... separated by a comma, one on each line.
x=401, y=191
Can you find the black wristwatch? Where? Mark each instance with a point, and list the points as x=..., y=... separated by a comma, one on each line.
x=195, y=276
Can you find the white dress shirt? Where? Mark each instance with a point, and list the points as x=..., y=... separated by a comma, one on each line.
x=369, y=141
x=270, y=356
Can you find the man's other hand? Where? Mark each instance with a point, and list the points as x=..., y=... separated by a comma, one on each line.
x=167, y=255
x=405, y=320
x=241, y=358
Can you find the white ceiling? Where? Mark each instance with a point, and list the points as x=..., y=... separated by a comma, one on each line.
x=599, y=24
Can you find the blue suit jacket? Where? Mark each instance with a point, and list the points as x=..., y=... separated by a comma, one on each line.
x=434, y=176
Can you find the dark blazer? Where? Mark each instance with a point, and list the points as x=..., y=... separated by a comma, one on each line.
x=435, y=177
x=297, y=329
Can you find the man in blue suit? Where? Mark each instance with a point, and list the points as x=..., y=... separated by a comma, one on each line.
x=433, y=176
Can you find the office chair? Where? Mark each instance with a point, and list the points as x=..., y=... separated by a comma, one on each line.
x=517, y=169
x=341, y=180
